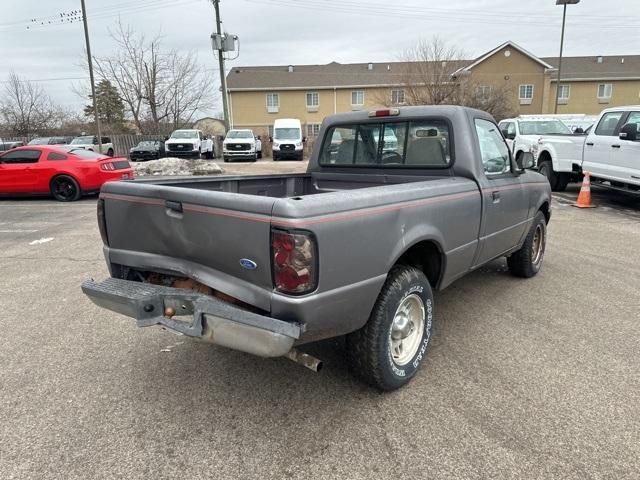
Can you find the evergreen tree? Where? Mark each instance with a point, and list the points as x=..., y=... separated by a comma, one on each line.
x=110, y=107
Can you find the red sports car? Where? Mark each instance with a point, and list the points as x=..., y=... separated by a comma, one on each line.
x=64, y=172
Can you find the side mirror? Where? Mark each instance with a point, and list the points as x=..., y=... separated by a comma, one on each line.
x=504, y=133
x=271, y=139
x=579, y=131
x=258, y=138
x=525, y=161
x=304, y=139
x=629, y=131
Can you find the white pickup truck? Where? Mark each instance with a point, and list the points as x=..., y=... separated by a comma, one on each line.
x=189, y=143
x=610, y=152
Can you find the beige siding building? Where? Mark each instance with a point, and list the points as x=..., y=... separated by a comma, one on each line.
x=259, y=95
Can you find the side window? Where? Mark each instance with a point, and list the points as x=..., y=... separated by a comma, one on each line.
x=367, y=142
x=21, y=156
x=493, y=149
x=56, y=156
x=608, y=123
x=634, y=117
x=106, y=140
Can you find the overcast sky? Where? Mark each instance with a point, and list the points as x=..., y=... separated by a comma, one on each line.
x=281, y=32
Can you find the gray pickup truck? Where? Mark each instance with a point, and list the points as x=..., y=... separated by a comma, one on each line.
x=353, y=247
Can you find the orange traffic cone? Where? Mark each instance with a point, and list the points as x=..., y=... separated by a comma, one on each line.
x=584, y=199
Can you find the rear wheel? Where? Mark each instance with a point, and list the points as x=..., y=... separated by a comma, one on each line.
x=527, y=261
x=390, y=348
x=546, y=168
x=209, y=155
x=65, y=189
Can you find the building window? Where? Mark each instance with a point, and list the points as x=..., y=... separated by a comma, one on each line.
x=604, y=92
x=563, y=94
x=357, y=99
x=526, y=94
x=273, y=102
x=313, y=129
x=483, y=92
x=397, y=97
x=313, y=101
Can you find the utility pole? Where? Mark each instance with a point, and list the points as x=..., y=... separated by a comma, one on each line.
x=93, y=85
x=223, y=78
x=564, y=4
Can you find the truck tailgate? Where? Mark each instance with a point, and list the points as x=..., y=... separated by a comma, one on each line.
x=196, y=233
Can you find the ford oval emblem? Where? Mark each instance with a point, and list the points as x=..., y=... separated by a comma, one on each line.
x=248, y=264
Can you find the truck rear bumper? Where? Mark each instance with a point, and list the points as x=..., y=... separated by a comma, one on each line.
x=205, y=317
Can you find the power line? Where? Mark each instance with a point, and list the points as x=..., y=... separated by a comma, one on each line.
x=398, y=11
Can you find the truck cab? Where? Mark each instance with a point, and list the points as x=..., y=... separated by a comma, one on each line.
x=612, y=149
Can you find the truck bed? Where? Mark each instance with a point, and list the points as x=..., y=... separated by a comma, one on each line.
x=283, y=186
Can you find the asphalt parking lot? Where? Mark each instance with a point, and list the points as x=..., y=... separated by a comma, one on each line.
x=524, y=379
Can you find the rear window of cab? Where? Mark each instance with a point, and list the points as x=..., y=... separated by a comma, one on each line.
x=415, y=144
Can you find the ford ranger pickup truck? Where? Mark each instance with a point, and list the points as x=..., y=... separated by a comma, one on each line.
x=355, y=246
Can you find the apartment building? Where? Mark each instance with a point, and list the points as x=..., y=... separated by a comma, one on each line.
x=260, y=94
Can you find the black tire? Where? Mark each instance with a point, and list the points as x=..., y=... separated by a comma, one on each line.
x=255, y=158
x=527, y=261
x=563, y=182
x=546, y=168
x=369, y=350
x=110, y=152
x=208, y=155
x=65, y=188
x=260, y=154
x=225, y=159
x=275, y=157
x=300, y=157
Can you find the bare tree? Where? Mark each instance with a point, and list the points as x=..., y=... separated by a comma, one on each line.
x=162, y=89
x=26, y=108
x=431, y=74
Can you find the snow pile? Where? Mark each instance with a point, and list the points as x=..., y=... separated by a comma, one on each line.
x=176, y=166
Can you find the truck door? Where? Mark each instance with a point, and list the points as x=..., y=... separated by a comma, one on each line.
x=625, y=159
x=505, y=203
x=598, y=148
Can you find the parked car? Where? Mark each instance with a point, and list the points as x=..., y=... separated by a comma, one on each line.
x=523, y=133
x=241, y=144
x=189, y=143
x=50, y=141
x=4, y=146
x=287, y=140
x=576, y=122
x=353, y=247
x=147, y=150
x=610, y=152
x=65, y=174
x=90, y=142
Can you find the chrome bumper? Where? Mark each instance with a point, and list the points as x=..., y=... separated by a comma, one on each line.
x=207, y=318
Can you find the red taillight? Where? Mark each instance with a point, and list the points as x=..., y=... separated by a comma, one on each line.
x=107, y=166
x=387, y=112
x=294, y=261
x=102, y=222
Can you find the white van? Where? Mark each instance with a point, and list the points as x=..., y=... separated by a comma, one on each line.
x=287, y=140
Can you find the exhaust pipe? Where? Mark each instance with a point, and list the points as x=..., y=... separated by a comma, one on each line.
x=304, y=359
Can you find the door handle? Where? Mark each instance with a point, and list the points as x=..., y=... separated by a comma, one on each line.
x=589, y=144
x=615, y=146
x=495, y=196
x=173, y=206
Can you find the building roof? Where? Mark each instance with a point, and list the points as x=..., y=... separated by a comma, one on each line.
x=612, y=67
x=386, y=74
x=334, y=74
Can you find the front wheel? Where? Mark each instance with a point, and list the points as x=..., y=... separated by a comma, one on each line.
x=546, y=169
x=65, y=189
x=527, y=261
x=209, y=155
x=392, y=345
